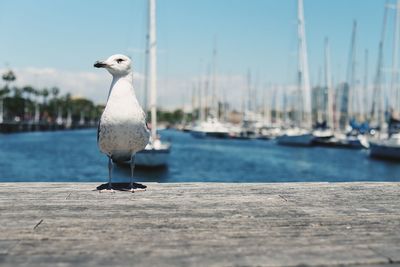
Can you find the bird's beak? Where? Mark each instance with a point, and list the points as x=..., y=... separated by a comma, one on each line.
x=100, y=64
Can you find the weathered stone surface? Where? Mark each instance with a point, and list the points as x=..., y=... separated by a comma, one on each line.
x=200, y=224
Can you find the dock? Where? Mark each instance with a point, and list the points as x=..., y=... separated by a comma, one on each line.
x=200, y=224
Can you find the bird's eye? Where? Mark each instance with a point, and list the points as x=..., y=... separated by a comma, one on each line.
x=119, y=60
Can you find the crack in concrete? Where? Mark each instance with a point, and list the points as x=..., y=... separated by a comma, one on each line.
x=36, y=226
x=283, y=198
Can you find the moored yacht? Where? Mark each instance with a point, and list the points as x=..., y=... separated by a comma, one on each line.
x=212, y=127
x=156, y=153
x=300, y=134
x=385, y=148
x=296, y=137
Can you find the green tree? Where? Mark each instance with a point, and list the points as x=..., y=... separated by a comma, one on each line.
x=9, y=77
x=54, y=103
x=28, y=90
x=45, y=93
x=55, y=91
x=17, y=92
x=36, y=93
x=4, y=92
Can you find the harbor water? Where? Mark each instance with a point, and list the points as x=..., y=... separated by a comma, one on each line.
x=73, y=156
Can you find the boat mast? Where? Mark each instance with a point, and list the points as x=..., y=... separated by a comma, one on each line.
x=214, y=101
x=328, y=84
x=201, y=100
x=249, y=106
x=146, y=66
x=285, y=107
x=303, y=74
x=152, y=65
x=395, y=67
x=243, y=102
x=377, y=111
x=267, y=106
x=206, y=93
x=193, y=102
x=275, y=117
x=365, y=90
x=351, y=72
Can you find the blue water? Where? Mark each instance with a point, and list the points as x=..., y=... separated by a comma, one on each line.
x=71, y=156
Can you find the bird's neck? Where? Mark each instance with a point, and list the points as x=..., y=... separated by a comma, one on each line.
x=121, y=86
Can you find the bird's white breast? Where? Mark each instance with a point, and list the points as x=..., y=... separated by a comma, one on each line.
x=122, y=129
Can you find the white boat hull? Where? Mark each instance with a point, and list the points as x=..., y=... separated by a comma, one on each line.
x=323, y=134
x=210, y=128
x=152, y=157
x=383, y=149
x=155, y=154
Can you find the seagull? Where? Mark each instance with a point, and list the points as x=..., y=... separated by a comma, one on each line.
x=122, y=129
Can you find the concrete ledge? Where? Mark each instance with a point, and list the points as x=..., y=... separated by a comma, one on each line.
x=200, y=224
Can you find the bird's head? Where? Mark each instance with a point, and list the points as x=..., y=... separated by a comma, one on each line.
x=117, y=65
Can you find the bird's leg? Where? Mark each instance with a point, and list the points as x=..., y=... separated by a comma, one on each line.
x=132, y=188
x=132, y=170
x=110, y=168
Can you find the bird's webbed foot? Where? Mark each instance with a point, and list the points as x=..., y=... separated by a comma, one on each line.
x=111, y=190
x=135, y=187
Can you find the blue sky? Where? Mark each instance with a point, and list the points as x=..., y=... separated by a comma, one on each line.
x=260, y=35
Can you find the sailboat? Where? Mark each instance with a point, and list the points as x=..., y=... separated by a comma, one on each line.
x=386, y=148
x=351, y=138
x=209, y=124
x=212, y=127
x=157, y=152
x=301, y=134
x=348, y=137
x=322, y=135
x=387, y=144
x=268, y=130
